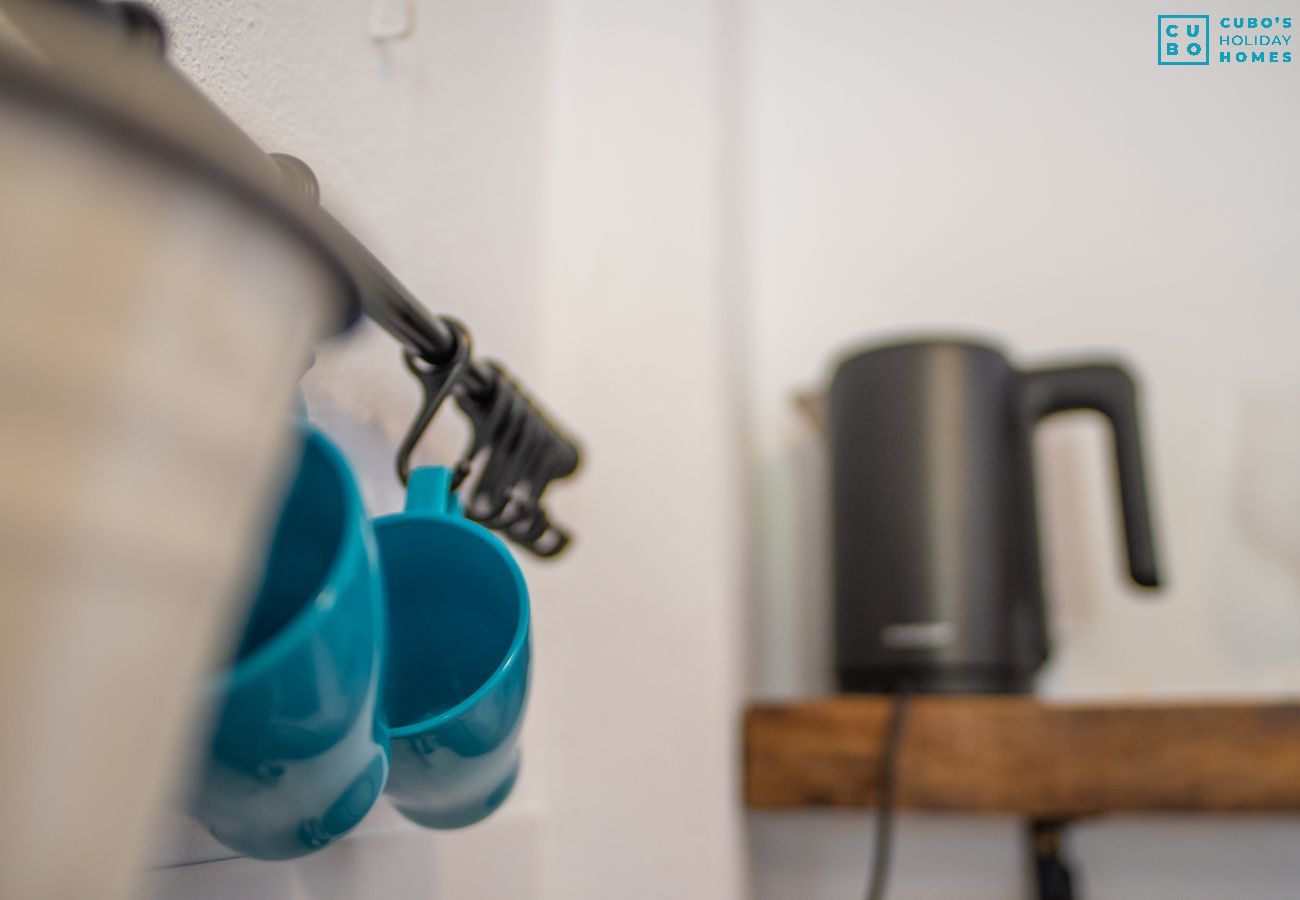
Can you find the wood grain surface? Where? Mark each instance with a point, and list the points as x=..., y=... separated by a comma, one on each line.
x=1000, y=754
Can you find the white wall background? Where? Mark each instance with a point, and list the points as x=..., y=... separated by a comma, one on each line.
x=1026, y=171
x=642, y=207
x=642, y=790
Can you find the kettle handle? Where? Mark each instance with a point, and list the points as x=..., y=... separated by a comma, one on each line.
x=1110, y=390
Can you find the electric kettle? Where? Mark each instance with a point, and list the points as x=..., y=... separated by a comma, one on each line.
x=938, y=582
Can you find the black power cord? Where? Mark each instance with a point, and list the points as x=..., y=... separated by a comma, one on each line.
x=1053, y=876
x=882, y=846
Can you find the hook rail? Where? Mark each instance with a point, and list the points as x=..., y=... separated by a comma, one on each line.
x=437, y=352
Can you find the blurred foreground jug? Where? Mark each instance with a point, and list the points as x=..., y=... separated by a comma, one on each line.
x=938, y=585
x=160, y=297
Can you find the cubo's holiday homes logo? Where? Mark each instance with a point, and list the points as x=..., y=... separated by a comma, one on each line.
x=1185, y=40
x=1182, y=40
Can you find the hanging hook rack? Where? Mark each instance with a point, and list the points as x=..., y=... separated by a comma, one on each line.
x=437, y=352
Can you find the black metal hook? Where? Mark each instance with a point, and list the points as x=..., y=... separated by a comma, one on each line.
x=492, y=492
x=486, y=414
x=532, y=452
x=438, y=381
x=524, y=456
x=500, y=430
x=523, y=520
x=536, y=460
x=559, y=540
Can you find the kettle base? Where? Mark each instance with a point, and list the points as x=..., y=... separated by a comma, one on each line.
x=936, y=680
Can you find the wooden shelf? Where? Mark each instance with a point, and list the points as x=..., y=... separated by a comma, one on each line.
x=1018, y=755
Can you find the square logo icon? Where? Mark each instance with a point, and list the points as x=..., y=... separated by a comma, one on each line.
x=1183, y=40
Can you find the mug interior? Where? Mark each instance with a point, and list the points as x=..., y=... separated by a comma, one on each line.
x=307, y=540
x=454, y=614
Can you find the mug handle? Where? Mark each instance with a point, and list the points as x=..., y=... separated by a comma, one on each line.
x=429, y=492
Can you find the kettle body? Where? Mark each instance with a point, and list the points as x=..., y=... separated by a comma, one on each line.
x=938, y=580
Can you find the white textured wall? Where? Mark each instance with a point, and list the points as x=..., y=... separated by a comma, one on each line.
x=1026, y=170
x=643, y=751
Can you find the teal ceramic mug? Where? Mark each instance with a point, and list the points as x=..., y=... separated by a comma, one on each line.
x=299, y=751
x=458, y=662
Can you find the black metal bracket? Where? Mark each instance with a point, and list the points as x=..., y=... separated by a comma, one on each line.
x=438, y=382
x=526, y=451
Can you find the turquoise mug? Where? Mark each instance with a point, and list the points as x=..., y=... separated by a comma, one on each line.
x=299, y=751
x=458, y=665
